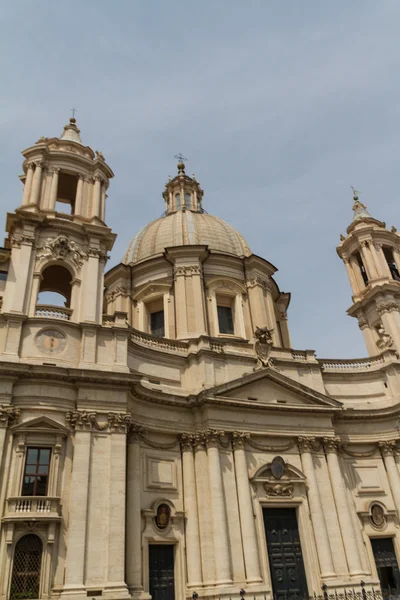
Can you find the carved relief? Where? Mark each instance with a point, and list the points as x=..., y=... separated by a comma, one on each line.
x=84, y=420
x=278, y=489
x=263, y=345
x=387, y=307
x=187, y=270
x=8, y=414
x=259, y=281
x=62, y=248
x=163, y=516
x=385, y=340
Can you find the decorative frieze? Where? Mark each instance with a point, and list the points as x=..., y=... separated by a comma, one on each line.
x=89, y=421
x=265, y=284
x=279, y=489
x=187, y=270
x=62, y=248
x=8, y=415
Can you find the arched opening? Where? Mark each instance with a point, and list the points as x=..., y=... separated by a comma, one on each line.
x=55, y=291
x=66, y=193
x=25, y=581
x=388, y=253
x=188, y=200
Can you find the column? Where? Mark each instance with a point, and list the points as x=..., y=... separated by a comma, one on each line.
x=377, y=262
x=317, y=514
x=390, y=317
x=351, y=276
x=205, y=510
x=192, y=534
x=36, y=280
x=396, y=256
x=117, y=502
x=133, y=555
x=79, y=196
x=357, y=274
x=384, y=266
x=96, y=197
x=247, y=523
x=368, y=336
x=103, y=202
x=180, y=302
x=28, y=185
x=367, y=260
x=53, y=189
x=271, y=314
x=387, y=449
x=198, y=298
x=75, y=559
x=36, y=183
x=218, y=511
x=258, y=304
x=342, y=508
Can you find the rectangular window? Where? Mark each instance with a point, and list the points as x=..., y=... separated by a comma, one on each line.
x=157, y=323
x=36, y=473
x=3, y=275
x=225, y=320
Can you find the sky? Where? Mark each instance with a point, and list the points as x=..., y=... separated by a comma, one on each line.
x=279, y=107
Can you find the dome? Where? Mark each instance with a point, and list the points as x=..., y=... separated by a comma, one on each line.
x=183, y=228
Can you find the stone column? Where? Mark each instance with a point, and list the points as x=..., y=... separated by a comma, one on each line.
x=192, y=534
x=317, y=514
x=342, y=507
x=384, y=267
x=8, y=415
x=103, y=201
x=271, y=314
x=36, y=183
x=205, y=510
x=53, y=189
x=198, y=297
x=28, y=185
x=396, y=256
x=117, y=503
x=96, y=196
x=351, y=276
x=218, y=511
x=377, y=261
x=36, y=279
x=367, y=260
x=133, y=555
x=387, y=449
x=180, y=302
x=368, y=336
x=75, y=559
x=357, y=274
x=79, y=197
x=247, y=519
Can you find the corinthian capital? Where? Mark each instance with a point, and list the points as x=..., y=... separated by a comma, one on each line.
x=239, y=439
x=306, y=444
x=8, y=415
x=187, y=441
x=331, y=444
x=387, y=448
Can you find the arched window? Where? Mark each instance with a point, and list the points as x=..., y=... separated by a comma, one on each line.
x=362, y=268
x=187, y=200
x=55, y=287
x=177, y=201
x=25, y=580
x=388, y=253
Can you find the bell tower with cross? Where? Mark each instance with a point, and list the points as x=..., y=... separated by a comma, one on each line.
x=371, y=254
x=58, y=237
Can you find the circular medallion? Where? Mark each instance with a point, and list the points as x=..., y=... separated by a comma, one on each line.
x=377, y=515
x=51, y=341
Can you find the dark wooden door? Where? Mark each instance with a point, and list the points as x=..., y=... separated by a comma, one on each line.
x=284, y=553
x=386, y=563
x=161, y=567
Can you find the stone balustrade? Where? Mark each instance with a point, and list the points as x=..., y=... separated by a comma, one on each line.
x=53, y=312
x=33, y=508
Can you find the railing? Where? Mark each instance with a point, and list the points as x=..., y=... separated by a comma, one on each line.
x=356, y=364
x=53, y=312
x=34, y=507
x=145, y=339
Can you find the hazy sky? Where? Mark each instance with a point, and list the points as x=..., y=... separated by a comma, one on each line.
x=279, y=106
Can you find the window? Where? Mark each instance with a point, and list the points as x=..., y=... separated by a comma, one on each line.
x=187, y=200
x=391, y=263
x=25, y=582
x=157, y=327
x=3, y=275
x=36, y=473
x=177, y=201
x=225, y=319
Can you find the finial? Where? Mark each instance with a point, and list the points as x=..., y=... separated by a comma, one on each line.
x=342, y=238
x=393, y=229
x=355, y=193
x=181, y=164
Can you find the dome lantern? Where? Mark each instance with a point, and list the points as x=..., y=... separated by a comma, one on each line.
x=182, y=192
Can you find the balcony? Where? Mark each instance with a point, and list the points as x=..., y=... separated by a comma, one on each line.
x=53, y=312
x=33, y=508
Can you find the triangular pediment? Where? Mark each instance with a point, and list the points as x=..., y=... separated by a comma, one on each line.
x=41, y=425
x=269, y=388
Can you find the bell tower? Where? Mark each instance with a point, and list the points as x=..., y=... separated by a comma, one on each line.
x=57, y=238
x=371, y=254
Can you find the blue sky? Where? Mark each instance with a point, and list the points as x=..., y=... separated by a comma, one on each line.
x=279, y=107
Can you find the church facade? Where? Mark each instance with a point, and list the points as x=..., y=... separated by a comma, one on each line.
x=159, y=436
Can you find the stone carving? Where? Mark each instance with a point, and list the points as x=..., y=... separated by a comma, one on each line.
x=385, y=340
x=278, y=489
x=239, y=439
x=377, y=517
x=263, y=345
x=8, y=414
x=307, y=444
x=259, y=281
x=84, y=420
x=267, y=447
x=387, y=448
x=387, y=307
x=187, y=270
x=331, y=444
x=62, y=248
x=163, y=516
